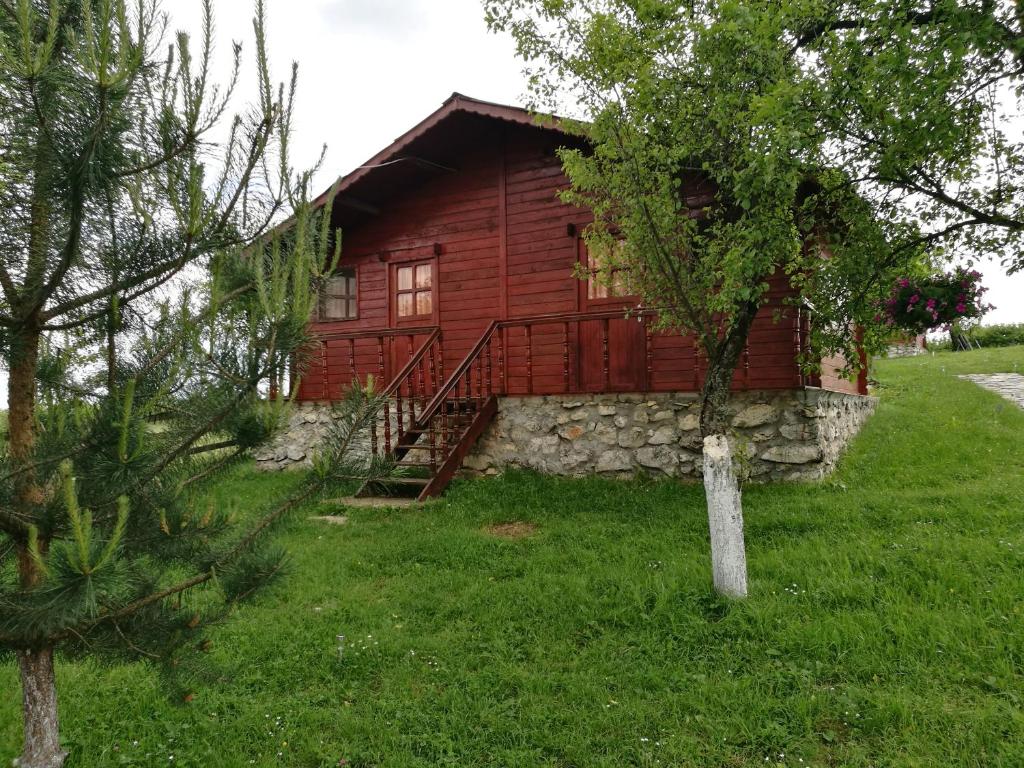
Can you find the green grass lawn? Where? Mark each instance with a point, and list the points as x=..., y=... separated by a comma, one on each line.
x=885, y=625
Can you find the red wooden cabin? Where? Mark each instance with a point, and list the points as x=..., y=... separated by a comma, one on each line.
x=458, y=285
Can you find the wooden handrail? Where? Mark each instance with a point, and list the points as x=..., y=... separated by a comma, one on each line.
x=435, y=402
x=561, y=317
x=555, y=317
x=376, y=333
x=414, y=360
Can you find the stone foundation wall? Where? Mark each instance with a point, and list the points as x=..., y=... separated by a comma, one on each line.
x=300, y=438
x=788, y=435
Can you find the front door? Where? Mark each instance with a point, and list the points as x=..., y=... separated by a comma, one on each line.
x=412, y=304
x=613, y=351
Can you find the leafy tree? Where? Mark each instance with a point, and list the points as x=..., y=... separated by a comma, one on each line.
x=708, y=161
x=922, y=102
x=143, y=304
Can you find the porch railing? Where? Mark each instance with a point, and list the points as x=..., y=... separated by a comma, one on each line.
x=364, y=353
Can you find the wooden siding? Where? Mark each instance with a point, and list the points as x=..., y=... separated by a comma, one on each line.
x=505, y=247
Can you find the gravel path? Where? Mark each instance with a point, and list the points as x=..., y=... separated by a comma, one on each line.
x=1009, y=385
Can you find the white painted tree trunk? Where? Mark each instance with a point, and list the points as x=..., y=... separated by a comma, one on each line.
x=725, y=518
x=39, y=710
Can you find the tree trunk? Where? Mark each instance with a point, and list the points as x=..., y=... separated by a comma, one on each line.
x=21, y=424
x=721, y=486
x=725, y=519
x=38, y=686
x=39, y=710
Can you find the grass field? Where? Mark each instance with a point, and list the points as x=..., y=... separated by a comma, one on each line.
x=885, y=625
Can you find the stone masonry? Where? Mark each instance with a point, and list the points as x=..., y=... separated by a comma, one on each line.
x=789, y=435
x=777, y=435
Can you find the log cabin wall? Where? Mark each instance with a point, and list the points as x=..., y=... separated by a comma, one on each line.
x=499, y=245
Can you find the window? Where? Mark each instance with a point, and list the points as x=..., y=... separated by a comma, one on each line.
x=414, y=290
x=607, y=280
x=338, y=297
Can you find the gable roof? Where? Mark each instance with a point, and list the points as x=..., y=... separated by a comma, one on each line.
x=430, y=147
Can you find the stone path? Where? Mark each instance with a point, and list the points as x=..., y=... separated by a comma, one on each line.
x=1009, y=385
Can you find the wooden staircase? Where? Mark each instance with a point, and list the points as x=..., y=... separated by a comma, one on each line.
x=428, y=427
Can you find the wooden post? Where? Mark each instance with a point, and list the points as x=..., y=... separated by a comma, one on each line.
x=490, y=381
x=432, y=370
x=323, y=368
x=501, y=360
x=352, y=362
x=433, y=446
x=440, y=361
x=380, y=363
x=606, y=371
x=422, y=383
x=565, y=355
x=797, y=348
x=480, y=378
x=399, y=415
x=649, y=350
x=529, y=359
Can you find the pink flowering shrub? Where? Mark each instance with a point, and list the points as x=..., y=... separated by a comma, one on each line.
x=921, y=304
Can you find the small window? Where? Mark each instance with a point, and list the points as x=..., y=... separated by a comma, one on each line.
x=607, y=280
x=414, y=294
x=338, y=299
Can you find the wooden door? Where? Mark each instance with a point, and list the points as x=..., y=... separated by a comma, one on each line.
x=412, y=303
x=612, y=351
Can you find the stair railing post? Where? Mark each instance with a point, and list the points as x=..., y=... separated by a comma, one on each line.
x=502, y=382
x=399, y=412
x=444, y=429
x=490, y=382
x=479, y=378
x=422, y=383
x=431, y=370
x=387, y=425
x=433, y=446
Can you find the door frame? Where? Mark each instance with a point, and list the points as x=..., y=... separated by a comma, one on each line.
x=391, y=287
x=587, y=304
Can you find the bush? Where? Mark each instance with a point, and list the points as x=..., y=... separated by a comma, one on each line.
x=1006, y=335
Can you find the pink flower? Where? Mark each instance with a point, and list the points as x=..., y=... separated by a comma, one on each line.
x=904, y=282
x=914, y=299
x=930, y=304
x=961, y=308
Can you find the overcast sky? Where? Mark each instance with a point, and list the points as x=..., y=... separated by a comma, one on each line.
x=371, y=69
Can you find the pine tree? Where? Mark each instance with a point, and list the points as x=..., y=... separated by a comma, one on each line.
x=145, y=304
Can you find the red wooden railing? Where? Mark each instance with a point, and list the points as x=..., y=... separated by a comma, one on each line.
x=410, y=390
x=380, y=346
x=437, y=419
